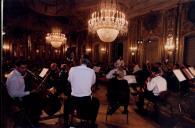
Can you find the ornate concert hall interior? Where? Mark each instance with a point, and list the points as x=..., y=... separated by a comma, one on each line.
x=145, y=39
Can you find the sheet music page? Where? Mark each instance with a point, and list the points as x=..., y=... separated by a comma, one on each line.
x=130, y=79
x=192, y=70
x=179, y=75
x=188, y=73
x=43, y=72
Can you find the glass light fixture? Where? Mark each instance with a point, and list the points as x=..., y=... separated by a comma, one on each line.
x=169, y=46
x=88, y=49
x=133, y=50
x=6, y=47
x=56, y=38
x=108, y=22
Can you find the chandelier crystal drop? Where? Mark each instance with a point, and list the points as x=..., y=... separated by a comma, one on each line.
x=108, y=22
x=56, y=38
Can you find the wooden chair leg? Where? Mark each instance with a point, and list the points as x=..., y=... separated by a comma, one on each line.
x=127, y=117
x=107, y=113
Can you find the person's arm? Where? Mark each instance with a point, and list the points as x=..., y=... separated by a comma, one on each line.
x=94, y=78
x=110, y=74
x=70, y=75
x=13, y=88
x=150, y=85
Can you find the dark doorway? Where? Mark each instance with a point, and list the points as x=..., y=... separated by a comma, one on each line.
x=117, y=50
x=189, y=51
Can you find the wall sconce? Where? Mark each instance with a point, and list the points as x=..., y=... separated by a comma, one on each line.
x=169, y=46
x=133, y=50
x=88, y=49
x=3, y=33
x=140, y=41
x=37, y=51
x=56, y=51
x=6, y=47
x=103, y=49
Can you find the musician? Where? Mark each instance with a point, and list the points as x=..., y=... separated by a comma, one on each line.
x=136, y=68
x=111, y=74
x=155, y=84
x=118, y=93
x=63, y=75
x=15, y=85
x=81, y=78
x=53, y=79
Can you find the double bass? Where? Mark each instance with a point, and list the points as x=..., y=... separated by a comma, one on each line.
x=50, y=101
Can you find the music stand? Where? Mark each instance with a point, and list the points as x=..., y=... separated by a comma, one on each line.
x=130, y=79
x=180, y=77
x=192, y=70
x=43, y=72
x=188, y=74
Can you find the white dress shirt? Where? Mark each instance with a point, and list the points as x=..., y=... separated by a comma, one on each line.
x=81, y=78
x=157, y=84
x=111, y=75
x=15, y=84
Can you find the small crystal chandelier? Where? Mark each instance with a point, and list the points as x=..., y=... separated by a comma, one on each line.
x=169, y=46
x=108, y=22
x=56, y=38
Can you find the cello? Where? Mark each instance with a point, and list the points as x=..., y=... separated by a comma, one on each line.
x=51, y=103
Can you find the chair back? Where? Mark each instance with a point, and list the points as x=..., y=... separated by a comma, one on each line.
x=163, y=96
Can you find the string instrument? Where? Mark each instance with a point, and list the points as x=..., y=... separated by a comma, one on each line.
x=143, y=88
x=50, y=99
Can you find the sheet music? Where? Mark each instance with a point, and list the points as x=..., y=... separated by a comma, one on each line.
x=130, y=79
x=192, y=70
x=179, y=75
x=188, y=73
x=43, y=72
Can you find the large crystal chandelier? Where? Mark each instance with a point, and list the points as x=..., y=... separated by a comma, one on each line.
x=108, y=22
x=56, y=38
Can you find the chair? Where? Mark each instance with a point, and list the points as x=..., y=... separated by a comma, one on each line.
x=85, y=114
x=118, y=94
x=156, y=103
x=85, y=122
x=12, y=110
x=108, y=108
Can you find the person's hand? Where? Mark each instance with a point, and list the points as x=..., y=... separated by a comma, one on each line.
x=148, y=79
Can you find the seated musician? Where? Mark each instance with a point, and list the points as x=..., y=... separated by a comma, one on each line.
x=154, y=86
x=53, y=80
x=15, y=85
x=111, y=74
x=118, y=93
x=81, y=78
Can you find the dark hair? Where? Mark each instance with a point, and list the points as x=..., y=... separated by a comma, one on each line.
x=155, y=69
x=85, y=60
x=18, y=63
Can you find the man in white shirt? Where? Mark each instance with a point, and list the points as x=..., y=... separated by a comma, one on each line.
x=155, y=85
x=16, y=89
x=81, y=79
